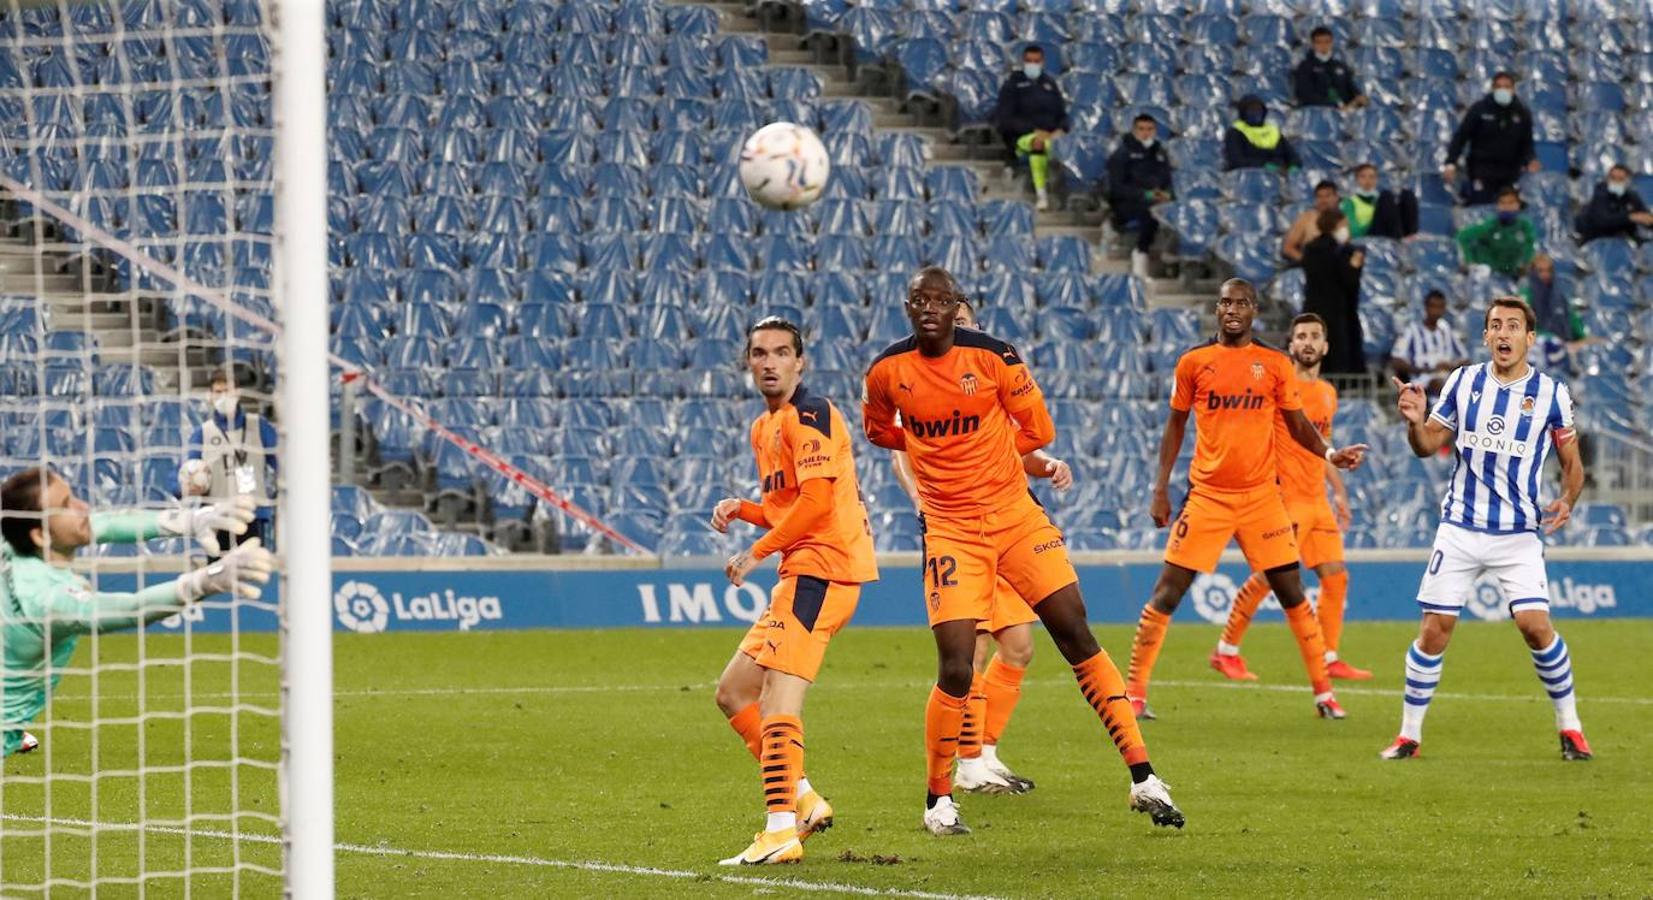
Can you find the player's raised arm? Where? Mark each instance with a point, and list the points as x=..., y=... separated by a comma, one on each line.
x=1427, y=432
x=1289, y=400
x=878, y=413
x=1024, y=401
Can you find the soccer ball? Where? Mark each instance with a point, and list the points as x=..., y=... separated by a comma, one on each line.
x=784, y=166
x=194, y=478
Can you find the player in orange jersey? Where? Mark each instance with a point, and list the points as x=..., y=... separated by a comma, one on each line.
x=997, y=686
x=812, y=508
x=969, y=411
x=1319, y=525
x=1236, y=387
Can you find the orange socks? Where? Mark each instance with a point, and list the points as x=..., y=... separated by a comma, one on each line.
x=749, y=725
x=1245, y=606
x=1003, y=685
x=975, y=713
x=1334, y=592
x=943, y=718
x=1100, y=683
x=1150, y=636
x=1310, y=645
x=782, y=763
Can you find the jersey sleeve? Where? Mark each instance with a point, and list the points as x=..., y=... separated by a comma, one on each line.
x=878, y=413
x=1022, y=398
x=1446, y=408
x=1288, y=394
x=1561, y=414
x=125, y=527
x=1182, y=387
x=75, y=609
x=813, y=445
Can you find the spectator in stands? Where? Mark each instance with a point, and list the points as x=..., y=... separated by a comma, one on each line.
x=1031, y=114
x=1503, y=243
x=1322, y=79
x=1559, y=326
x=1306, y=227
x=1253, y=142
x=1375, y=213
x=231, y=453
x=1331, y=290
x=1614, y=210
x=1497, y=132
x=1139, y=177
x=1429, y=349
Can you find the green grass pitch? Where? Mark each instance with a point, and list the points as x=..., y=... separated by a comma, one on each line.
x=579, y=764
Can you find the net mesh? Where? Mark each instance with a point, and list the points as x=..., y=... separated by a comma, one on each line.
x=136, y=142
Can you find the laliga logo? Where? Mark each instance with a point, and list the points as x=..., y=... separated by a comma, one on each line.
x=361, y=608
x=1486, y=600
x=1213, y=596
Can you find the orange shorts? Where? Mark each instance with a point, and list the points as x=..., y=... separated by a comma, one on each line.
x=1009, y=609
x=965, y=559
x=1318, y=537
x=804, y=613
x=1210, y=519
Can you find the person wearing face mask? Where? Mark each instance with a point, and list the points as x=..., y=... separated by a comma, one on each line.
x=1614, y=210
x=1253, y=142
x=1322, y=79
x=1375, y=213
x=1139, y=177
x=235, y=451
x=1306, y=227
x=1497, y=134
x=1331, y=290
x=1560, y=328
x=1032, y=114
x=1503, y=243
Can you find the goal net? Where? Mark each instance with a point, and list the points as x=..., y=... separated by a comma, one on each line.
x=162, y=195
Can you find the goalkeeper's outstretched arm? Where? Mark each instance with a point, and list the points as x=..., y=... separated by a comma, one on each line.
x=62, y=599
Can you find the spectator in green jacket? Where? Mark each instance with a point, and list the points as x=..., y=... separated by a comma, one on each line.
x=1503, y=243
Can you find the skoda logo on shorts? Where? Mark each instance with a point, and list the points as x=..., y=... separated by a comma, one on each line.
x=360, y=607
x=1486, y=601
x=1495, y=425
x=1213, y=596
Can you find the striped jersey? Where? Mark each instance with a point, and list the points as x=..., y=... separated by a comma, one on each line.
x=1504, y=434
x=1425, y=347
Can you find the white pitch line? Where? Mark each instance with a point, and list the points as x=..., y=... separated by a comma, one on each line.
x=826, y=887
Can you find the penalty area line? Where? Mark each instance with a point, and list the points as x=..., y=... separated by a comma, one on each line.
x=797, y=884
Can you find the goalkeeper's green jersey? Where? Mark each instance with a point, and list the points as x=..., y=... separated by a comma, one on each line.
x=44, y=609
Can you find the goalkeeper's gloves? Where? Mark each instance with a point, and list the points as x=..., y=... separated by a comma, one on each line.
x=241, y=572
x=204, y=522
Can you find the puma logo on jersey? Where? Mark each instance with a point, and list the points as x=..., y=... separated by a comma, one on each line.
x=807, y=415
x=951, y=427
x=905, y=387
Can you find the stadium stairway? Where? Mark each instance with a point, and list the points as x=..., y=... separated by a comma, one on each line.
x=784, y=34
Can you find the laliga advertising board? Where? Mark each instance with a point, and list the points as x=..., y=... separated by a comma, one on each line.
x=468, y=599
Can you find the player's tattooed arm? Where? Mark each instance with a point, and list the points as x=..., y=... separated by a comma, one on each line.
x=1559, y=512
x=1308, y=437
x=1170, y=444
x=1425, y=433
x=1340, y=498
x=904, y=476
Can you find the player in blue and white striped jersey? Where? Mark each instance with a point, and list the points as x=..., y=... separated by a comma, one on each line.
x=1502, y=419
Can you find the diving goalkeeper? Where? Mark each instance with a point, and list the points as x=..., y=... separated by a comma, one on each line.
x=45, y=607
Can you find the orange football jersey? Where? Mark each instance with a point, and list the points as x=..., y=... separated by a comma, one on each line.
x=1302, y=474
x=965, y=420
x=1234, y=393
x=808, y=438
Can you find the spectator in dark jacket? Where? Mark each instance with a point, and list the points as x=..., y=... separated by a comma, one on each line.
x=1032, y=113
x=1253, y=142
x=1331, y=289
x=1139, y=177
x=1614, y=210
x=1323, y=79
x=1378, y=213
x=1497, y=132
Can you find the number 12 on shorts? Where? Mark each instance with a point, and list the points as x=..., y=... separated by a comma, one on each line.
x=941, y=570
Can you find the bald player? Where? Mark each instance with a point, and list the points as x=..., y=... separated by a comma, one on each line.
x=965, y=409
